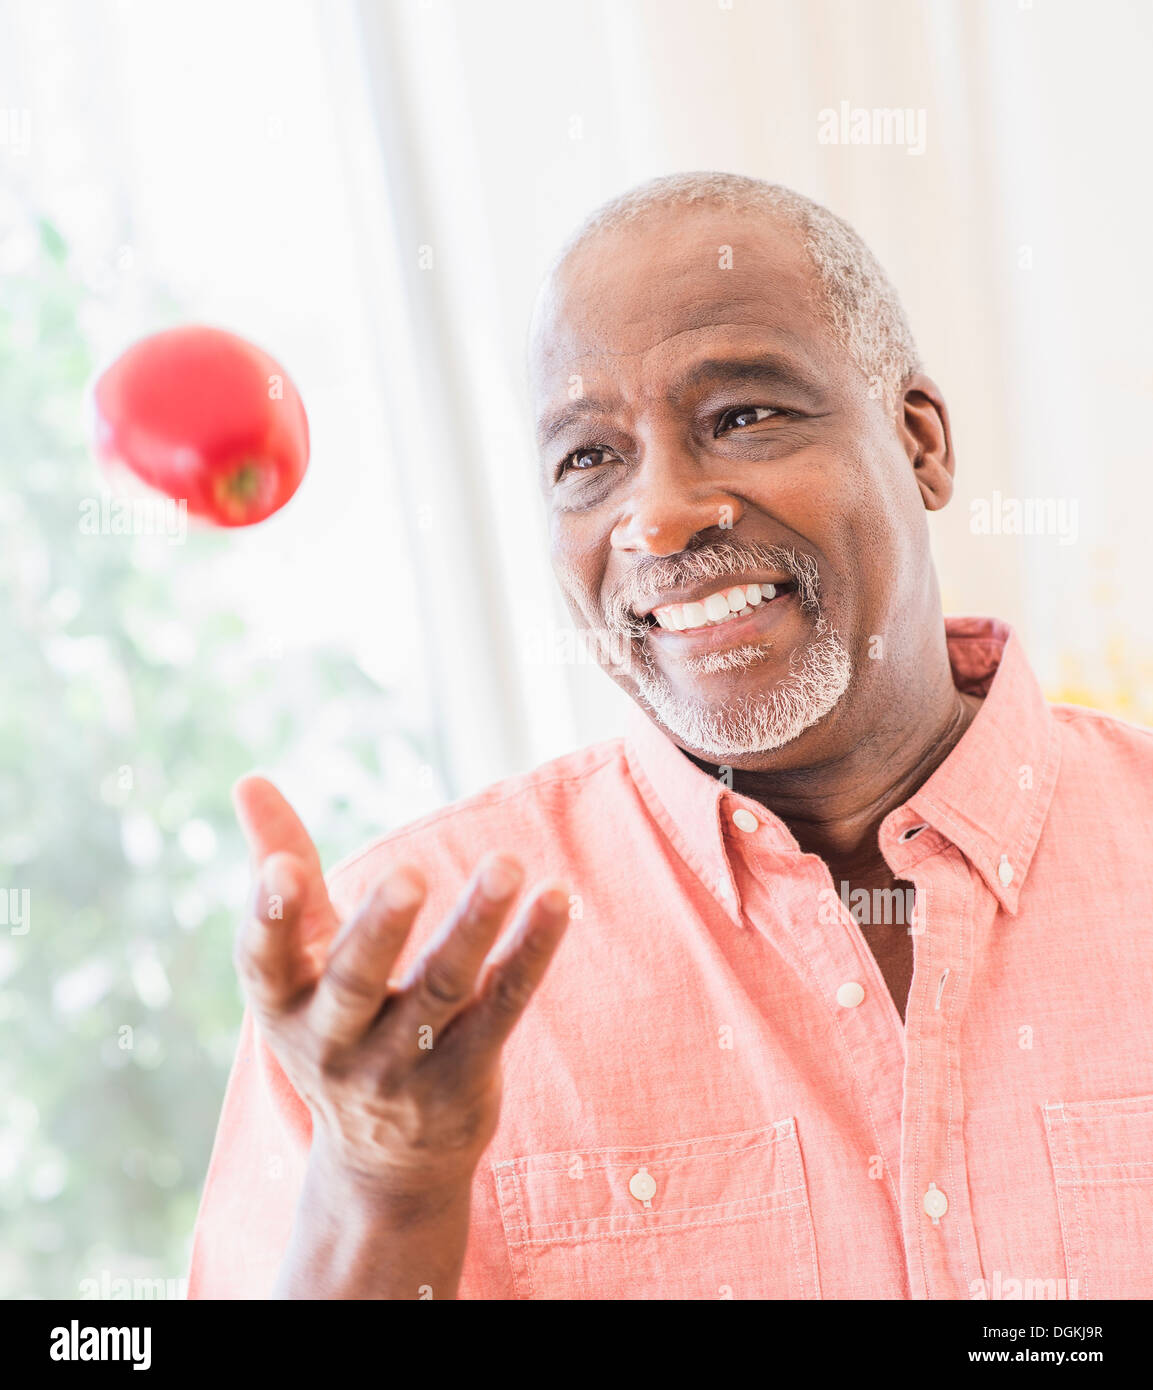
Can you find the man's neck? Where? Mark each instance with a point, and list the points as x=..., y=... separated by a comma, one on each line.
x=835, y=810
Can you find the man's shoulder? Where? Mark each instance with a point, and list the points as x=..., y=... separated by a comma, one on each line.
x=518, y=815
x=1105, y=740
x=1088, y=722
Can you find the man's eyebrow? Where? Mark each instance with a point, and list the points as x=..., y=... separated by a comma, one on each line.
x=764, y=369
x=558, y=421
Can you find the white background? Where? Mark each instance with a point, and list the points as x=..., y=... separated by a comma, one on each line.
x=281, y=165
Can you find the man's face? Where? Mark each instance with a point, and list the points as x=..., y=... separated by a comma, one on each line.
x=702, y=433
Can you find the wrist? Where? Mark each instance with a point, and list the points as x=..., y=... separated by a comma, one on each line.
x=374, y=1236
x=406, y=1191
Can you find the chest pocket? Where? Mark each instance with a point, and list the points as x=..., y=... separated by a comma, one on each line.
x=721, y=1217
x=1102, y=1153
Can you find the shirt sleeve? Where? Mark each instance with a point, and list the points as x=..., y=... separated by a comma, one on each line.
x=254, y=1178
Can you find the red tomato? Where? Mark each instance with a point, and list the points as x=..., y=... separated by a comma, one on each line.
x=204, y=416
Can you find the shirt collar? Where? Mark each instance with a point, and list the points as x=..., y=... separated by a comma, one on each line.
x=989, y=797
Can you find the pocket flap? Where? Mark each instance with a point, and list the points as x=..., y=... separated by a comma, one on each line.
x=593, y=1192
x=1095, y=1141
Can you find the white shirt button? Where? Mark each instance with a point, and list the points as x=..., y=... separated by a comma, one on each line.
x=936, y=1203
x=643, y=1186
x=1005, y=870
x=745, y=820
x=850, y=995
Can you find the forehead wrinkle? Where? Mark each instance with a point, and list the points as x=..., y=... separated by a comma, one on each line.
x=759, y=291
x=669, y=339
x=548, y=426
x=582, y=320
x=761, y=281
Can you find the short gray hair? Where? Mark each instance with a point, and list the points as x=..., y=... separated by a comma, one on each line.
x=857, y=298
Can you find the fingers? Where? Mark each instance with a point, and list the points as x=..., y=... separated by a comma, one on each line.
x=350, y=987
x=354, y=984
x=443, y=979
x=269, y=953
x=270, y=825
x=513, y=974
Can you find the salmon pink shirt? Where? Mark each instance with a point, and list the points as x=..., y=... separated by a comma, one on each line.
x=712, y=1094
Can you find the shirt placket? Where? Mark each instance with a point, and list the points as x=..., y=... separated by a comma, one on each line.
x=937, y=1216
x=796, y=897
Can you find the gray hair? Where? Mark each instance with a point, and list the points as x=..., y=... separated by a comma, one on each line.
x=857, y=299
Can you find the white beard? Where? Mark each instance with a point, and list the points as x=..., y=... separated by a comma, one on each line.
x=752, y=723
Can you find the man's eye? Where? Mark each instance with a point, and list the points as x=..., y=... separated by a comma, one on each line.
x=584, y=459
x=743, y=416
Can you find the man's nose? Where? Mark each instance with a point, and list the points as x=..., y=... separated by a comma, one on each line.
x=671, y=499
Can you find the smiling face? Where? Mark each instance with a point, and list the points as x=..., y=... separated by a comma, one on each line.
x=728, y=500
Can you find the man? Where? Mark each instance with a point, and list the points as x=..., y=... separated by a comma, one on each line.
x=849, y=937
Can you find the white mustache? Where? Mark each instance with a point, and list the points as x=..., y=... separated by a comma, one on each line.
x=716, y=562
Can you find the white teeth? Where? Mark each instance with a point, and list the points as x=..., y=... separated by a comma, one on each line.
x=737, y=602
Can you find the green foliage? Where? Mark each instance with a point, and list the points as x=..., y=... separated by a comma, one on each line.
x=129, y=707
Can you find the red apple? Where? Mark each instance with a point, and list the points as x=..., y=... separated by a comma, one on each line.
x=202, y=415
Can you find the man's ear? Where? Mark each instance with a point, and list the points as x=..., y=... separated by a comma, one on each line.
x=923, y=426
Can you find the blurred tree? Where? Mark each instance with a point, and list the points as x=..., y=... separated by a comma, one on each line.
x=128, y=709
